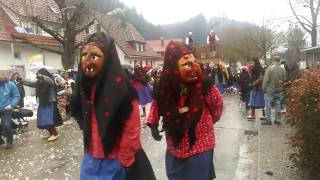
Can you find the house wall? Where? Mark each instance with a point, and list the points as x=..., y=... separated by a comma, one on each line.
x=121, y=55
x=28, y=55
x=6, y=57
x=312, y=57
x=131, y=61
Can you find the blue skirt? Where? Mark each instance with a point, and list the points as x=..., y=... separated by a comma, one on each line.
x=101, y=169
x=45, y=116
x=48, y=116
x=257, y=99
x=197, y=167
x=144, y=95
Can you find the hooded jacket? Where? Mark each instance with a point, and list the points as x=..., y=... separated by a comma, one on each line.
x=9, y=95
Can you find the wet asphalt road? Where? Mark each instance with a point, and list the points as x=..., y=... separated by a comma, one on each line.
x=33, y=158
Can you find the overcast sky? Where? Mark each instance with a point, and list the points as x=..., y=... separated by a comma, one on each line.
x=171, y=11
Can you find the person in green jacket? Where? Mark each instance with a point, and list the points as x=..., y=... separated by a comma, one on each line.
x=272, y=85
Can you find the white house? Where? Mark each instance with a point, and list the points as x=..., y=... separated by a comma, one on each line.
x=15, y=52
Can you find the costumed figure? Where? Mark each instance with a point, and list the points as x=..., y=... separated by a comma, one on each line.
x=63, y=91
x=189, y=39
x=48, y=116
x=190, y=106
x=256, y=95
x=140, y=82
x=212, y=41
x=106, y=107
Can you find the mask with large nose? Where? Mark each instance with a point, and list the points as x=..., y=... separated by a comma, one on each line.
x=92, y=60
x=188, y=68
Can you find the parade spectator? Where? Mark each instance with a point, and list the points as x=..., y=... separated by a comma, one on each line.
x=107, y=112
x=48, y=116
x=190, y=106
x=140, y=82
x=292, y=70
x=219, y=76
x=273, y=81
x=256, y=95
x=147, y=68
x=231, y=80
x=245, y=89
x=9, y=98
x=208, y=71
x=16, y=78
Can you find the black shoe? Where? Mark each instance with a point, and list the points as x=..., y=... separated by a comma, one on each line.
x=9, y=146
x=1, y=141
x=266, y=123
x=277, y=123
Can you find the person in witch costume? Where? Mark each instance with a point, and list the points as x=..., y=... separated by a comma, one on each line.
x=106, y=107
x=190, y=106
x=144, y=91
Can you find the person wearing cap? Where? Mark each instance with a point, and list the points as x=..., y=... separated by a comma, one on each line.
x=272, y=85
x=190, y=106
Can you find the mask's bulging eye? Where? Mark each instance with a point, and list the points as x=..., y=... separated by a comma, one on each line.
x=189, y=65
x=94, y=57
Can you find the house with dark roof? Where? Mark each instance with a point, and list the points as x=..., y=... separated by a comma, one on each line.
x=160, y=45
x=131, y=45
x=15, y=51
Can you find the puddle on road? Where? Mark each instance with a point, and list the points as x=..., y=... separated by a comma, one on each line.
x=246, y=169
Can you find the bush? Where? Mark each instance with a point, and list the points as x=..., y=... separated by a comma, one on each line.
x=303, y=114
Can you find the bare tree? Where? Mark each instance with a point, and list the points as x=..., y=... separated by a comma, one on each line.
x=64, y=20
x=265, y=38
x=235, y=44
x=309, y=24
x=295, y=41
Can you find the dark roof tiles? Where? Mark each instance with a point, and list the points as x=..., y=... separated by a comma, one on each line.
x=126, y=35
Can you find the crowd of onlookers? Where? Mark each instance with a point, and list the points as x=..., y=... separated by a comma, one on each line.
x=259, y=87
x=263, y=87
